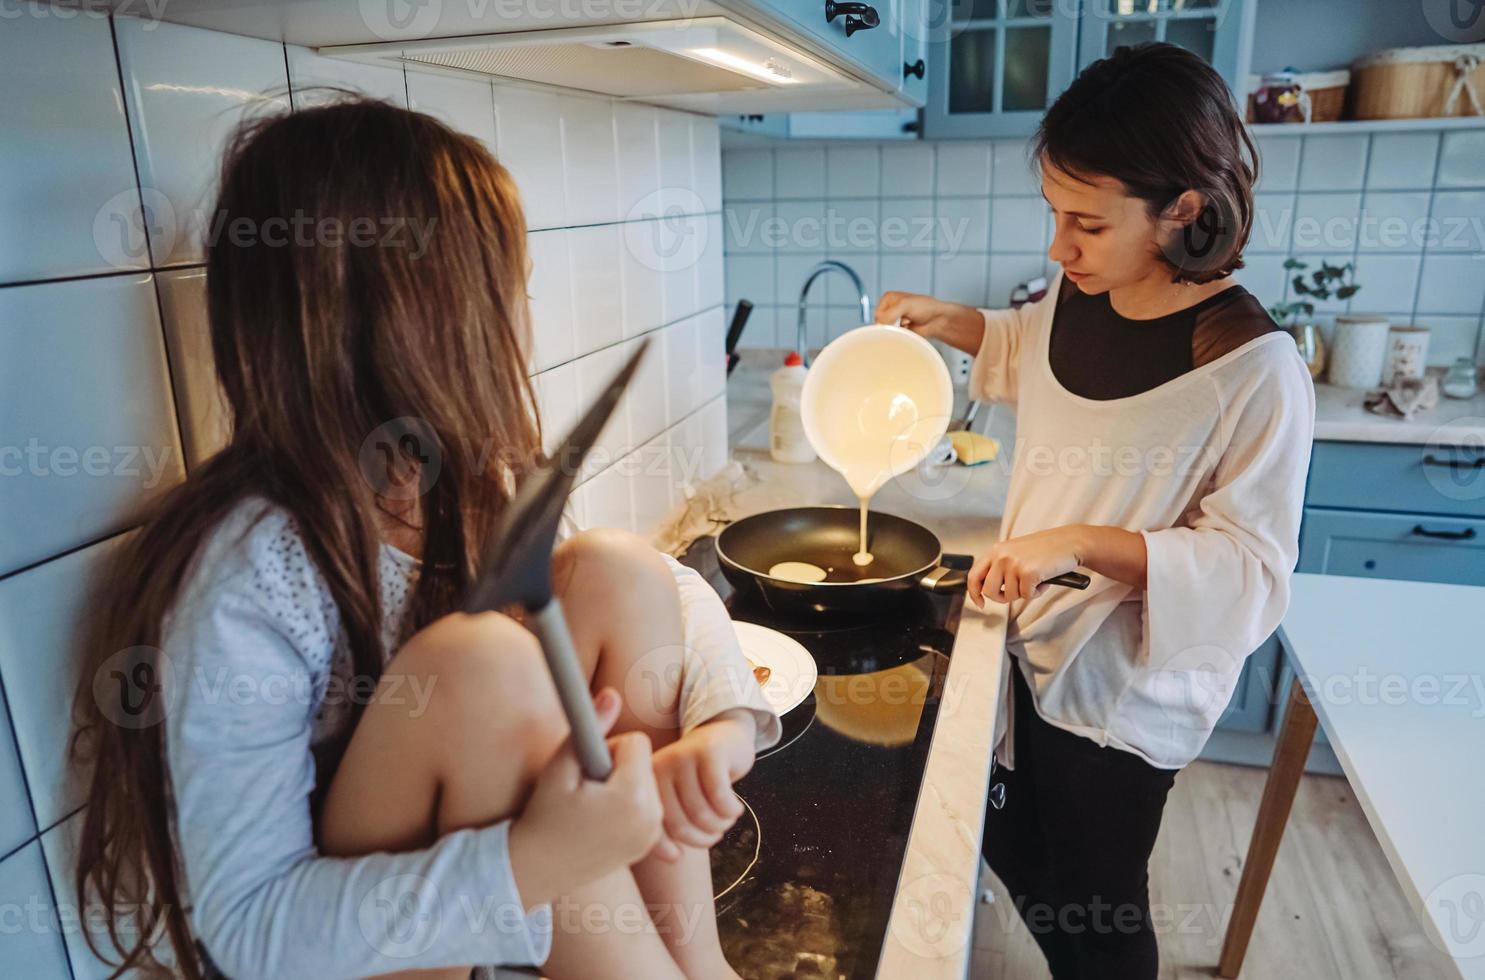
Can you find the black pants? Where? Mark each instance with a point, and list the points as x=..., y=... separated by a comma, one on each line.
x=1073, y=844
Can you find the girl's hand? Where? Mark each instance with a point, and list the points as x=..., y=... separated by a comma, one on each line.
x=959, y=326
x=695, y=774
x=1015, y=569
x=574, y=830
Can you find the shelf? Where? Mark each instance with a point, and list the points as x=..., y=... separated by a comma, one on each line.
x=1366, y=126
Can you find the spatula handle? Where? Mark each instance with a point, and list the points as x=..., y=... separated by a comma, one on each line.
x=550, y=626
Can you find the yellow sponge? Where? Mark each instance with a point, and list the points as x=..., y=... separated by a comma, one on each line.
x=973, y=448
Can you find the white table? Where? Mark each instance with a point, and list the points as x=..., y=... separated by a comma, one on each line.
x=1395, y=673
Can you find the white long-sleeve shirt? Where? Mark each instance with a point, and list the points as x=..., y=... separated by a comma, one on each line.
x=1209, y=468
x=256, y=687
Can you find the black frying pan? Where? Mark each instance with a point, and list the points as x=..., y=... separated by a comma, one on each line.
x=905, y=559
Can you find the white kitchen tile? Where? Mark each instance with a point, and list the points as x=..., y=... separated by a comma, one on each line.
x=597, y=292
x=557, y=403
x=606, y=500
x=909, y=225
x=1273, y=217
x=1451, y=284
x=653, y=491
x=840, y=292
x=59, y=845
x=312, y=77
x=553, y=327
x=962, y=225
x=759, y=331
x=1449, y=338
x=199, y=401
x=706, y=161
x=643, y=276
x=68, y=192
x=1007, y=271
x=683, y=241
x=750, y=226
x=907, y=273
x=682, y=365
x=42, y=611
x=711, y=342
x=1402, y=161
x=647, y=400
x=1264, y=276
x=32, y=951
x=187, y=89
x=677, y=163
x=907, y=170
x=1278, y=163
x=747, y=175
x=714, y=446
x=1387, y=281
x=687, y=453
x=1332, y=163
x=1332, y=305
x=961, y=278
x=589, y=160
x=799, y=173
x=710, y=281
x=1325, y=222
x=852, y=171
x=17, y=823
x=790, y=271
x=594, y=372
x=637, y=155
x=1011, y=170
x=529, y=126
x=852, y=227
x=1018, y=224
x=1462, y=159
x=466, y=104
x=1393, y=221
x=800, y=226
x=1460, y=218
x=963, y=170
x=87, y=403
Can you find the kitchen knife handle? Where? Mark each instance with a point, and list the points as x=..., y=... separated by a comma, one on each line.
x=1073, y=580
x=550, y=627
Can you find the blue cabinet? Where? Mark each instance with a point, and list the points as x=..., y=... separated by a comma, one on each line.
x=1413, y=547
x=1217, y=30
x=1252, y=704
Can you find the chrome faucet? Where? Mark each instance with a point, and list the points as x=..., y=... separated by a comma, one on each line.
x=829, y=265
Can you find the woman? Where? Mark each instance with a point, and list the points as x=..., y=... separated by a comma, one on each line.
x=343, y=776
x=1162, y=439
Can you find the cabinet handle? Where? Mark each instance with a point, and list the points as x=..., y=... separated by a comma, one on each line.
x=913, y=69
x=1465, y=535
x=859, y=16
x=1454, y=464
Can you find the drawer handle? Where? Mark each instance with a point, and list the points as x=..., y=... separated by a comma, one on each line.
x=1465, y=535
x=1454, y=464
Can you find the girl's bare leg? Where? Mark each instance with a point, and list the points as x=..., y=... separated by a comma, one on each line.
x=625, y=616
x=466, y=756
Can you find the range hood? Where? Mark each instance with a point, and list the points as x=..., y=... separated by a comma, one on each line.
x=670, y=60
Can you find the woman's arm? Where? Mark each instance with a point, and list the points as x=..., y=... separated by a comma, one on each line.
x=1015, y=568
x=959, y=326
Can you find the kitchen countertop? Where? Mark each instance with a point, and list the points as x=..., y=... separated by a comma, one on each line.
x=929, y=933
x=1339, y=417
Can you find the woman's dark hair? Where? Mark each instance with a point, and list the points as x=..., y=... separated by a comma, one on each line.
x=1161, y=121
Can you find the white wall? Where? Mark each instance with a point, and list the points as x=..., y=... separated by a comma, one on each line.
x=964, y=221
x=104, y=365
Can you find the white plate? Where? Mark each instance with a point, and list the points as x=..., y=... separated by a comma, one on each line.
x=792, y=670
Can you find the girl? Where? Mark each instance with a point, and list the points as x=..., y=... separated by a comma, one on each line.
x=340, y=776
x=1163, y=429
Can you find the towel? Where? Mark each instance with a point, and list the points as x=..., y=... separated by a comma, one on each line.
x=1404, y=398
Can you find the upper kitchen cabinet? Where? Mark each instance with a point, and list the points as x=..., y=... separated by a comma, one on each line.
x=994, y=65
x=1216, y=30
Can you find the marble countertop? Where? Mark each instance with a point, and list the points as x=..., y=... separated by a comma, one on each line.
x=929, y=933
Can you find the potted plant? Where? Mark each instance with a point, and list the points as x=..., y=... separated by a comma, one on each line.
x=1326, y=282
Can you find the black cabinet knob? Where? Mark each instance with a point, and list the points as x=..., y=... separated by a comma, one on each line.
x=859, y=16
x=914, y=69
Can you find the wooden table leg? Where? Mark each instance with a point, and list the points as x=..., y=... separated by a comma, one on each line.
x=1273, y=813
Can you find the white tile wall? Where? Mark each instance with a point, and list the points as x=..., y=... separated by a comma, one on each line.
x=34, y=950
x=623, y=204
x=965, y=220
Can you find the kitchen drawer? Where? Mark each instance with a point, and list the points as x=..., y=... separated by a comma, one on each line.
x=1383, y=476
x=1253, y=699
x=1416, y=547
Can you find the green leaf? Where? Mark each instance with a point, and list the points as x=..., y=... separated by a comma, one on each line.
x=1295, y=264
x=1300, y=287
x=1309, y=308
x=1346, y=292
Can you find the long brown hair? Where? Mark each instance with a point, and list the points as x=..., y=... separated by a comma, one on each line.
x=329, y=332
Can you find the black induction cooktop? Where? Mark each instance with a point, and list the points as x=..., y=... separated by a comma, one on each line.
x=805, y=880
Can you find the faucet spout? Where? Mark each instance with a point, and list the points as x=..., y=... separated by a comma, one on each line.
x=829, y=265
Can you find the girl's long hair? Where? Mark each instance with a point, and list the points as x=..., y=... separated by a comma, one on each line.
x=366, y=292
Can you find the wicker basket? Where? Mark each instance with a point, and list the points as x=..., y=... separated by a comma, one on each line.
x=1325, y=92
x=1420, y=83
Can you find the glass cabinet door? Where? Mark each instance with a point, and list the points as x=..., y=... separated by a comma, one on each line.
x=1212, y=29
x=996, y=64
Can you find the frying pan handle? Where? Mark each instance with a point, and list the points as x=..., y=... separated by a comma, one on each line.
x=943, y=579
x=550, y=627
x=1073, y=580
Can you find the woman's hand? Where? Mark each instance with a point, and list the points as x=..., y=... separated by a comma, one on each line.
x=958, y=326
x=1015, y=569
x=695, y=774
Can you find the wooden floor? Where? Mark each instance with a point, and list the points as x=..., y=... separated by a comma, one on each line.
x=1333, y=911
